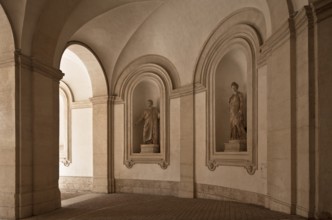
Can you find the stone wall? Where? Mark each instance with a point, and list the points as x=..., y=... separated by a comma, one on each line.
x=75, y=184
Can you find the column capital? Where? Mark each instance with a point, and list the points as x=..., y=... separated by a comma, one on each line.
x=100, y=100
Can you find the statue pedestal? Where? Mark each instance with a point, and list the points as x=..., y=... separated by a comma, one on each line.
x=150, y=148
x=236, y=146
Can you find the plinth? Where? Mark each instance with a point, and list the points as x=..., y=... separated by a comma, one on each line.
x=150, y=148
x=236, y=146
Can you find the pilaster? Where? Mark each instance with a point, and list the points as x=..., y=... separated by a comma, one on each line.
x=187, y=163
x=102, y=181
x=37, y=135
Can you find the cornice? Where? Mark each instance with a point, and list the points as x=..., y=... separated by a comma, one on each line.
x=322, y=9
x=37, y=66
x=100, y=100
x=303, y=20
x=186, y=90
x=81, y=104
x=278, y=38
x=117, y=100
x=182, y=91
x=46, y=70
x=295, y=25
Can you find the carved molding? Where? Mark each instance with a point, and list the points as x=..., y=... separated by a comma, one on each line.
x=153, y=60
x=35, y=65
x=81, y=104
x=245, y=38
x=183, y=91
x=96, y=100
x=188, y=90
x=322, y=9
x=66, y=153
x=295, y=25
x=160, y=77
x=277, y=39
x=251, y=18
x=303, y=20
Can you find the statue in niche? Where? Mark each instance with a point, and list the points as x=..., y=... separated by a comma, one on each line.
x=150, y=116
x=238, y=134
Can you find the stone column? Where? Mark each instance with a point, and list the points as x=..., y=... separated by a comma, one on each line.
x=45, y=128
x=102, y=181
x=186, y=187
x=31, y=138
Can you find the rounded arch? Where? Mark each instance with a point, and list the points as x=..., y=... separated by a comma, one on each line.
x=154, y=76
x=94, y=66
x=247, y=24
x=149, y=63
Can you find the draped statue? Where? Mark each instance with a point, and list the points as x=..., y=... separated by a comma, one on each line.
x=150, y=116
x=236, y=110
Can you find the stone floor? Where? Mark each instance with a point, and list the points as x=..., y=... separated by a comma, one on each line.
x=148, y=207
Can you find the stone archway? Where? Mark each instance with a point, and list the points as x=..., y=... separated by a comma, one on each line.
x=99, y=103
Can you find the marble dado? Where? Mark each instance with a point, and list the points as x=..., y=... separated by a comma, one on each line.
x=75, y=184
x=206, y=191
x=153, y=187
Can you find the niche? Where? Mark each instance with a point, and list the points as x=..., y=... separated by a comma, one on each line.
x=231, y=69
x=146, y=93
x=146, y=90
x=231, y=86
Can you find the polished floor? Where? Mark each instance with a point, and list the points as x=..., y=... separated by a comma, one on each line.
x=148, y=207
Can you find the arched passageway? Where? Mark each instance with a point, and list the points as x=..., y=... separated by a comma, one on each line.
x=84, y=130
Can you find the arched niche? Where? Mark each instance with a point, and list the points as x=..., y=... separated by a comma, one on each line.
x=144, y=91
x=235, y=53
x=232, y=68
x=232, y=47
x=147, y=81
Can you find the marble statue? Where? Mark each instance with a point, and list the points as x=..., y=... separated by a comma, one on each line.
x=236, y=110
x=150, y=116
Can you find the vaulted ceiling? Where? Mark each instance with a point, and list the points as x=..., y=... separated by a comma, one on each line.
x=120, y=31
